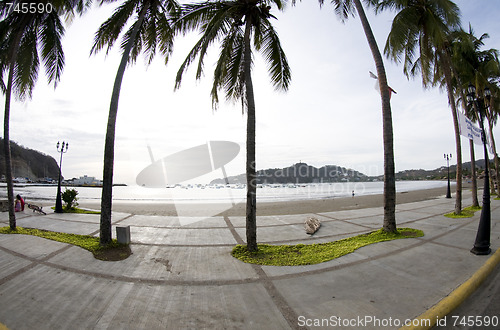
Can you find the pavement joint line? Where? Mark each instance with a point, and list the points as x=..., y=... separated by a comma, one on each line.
x=34, y=262
x=285, y=309
x=420, y=242
x=260, y=242
x=185, y=245
x=233, y=231
x=317, y=237
x=462, y=248
x=122, y=219
x=332, y=219
x=112, y=223
x=230, y=282
x=19, y=271
x=446, y=305
x=279, y=301
x=225, y=282
x=121, y=278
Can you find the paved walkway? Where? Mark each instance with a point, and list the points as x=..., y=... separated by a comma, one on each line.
x=181, y=274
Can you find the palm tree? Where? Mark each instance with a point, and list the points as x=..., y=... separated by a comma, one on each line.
x=492, y=114
x=24, y=38
x=344, y=8
x=422, y=27
x=151, y=29
x=470, y=64
x=238, y=23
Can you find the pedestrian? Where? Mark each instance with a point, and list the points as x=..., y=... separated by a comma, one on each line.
x=19, y=204
x=353, y=194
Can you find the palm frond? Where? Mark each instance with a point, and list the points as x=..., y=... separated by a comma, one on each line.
x=228, y=68
x=110, y=30
x=193, y=16
x=150, y=34
x=274, y=55
x=165, y=34
x=344, y=9
x=27, y=64
x=51, y=32
x=214, y=24
x=222, y=21
x=136, y=43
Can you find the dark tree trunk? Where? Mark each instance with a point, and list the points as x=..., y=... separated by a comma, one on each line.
x=475, y=201
x=495, y=156
x=6, y=132
x=251, y=206
x=451, y=99
x=389, y=171
x=109, y=147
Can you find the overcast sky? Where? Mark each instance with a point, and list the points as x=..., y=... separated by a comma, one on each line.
x=331, y=114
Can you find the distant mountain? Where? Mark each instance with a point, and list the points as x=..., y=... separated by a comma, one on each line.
x=28, y=163
x=299, y=173
x=304, y=173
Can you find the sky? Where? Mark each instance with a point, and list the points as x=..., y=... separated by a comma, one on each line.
x=331, y=114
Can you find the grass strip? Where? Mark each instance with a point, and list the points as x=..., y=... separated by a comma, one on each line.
x=114, y=251
x=310, y=254
x=467, y=212
x=77, y=210
x=81, y=211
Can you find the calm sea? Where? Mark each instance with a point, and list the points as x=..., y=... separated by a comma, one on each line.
x=217, y=194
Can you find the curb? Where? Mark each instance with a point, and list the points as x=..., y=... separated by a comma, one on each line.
x=444, y=307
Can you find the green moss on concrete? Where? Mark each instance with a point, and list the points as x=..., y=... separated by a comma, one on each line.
x=466, y=213
x=309, y=254
x=112, y=252
x=77, y=210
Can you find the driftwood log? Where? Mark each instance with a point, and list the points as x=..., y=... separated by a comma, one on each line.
x=311, y=225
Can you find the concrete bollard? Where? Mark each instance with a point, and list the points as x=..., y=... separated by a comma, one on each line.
x=123, y=235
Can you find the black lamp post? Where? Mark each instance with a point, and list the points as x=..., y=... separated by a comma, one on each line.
x=63, y=149
x=448, y=157
x=482, y=243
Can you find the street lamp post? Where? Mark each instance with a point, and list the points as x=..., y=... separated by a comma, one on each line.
x=447, y=157
x=62, y=150
x=482, y=243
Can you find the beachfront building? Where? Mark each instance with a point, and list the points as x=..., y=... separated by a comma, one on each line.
x=87, y=181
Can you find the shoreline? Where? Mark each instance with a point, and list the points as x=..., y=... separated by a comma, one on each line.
x=267, y=208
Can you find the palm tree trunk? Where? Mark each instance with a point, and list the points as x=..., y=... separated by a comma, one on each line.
x=389, y=167
x=109, y=147
x=251, y=206
x=495, y=156
x=475, y=201
x=6, y=132
x=451, y=99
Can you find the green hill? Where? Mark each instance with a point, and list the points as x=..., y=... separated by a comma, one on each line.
x=28, y=163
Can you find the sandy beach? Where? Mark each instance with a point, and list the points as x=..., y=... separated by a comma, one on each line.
x=268, y=208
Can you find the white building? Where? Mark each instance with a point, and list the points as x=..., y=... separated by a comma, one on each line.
x=87, y=181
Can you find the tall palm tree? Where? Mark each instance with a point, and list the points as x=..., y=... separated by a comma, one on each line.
x=463, y=47
x=470, y=64
x=24, y=38
x=151, y=30
x=492, y=114
x=344, y=8
x=422, y=27
x=238, y=24
x=490, y=70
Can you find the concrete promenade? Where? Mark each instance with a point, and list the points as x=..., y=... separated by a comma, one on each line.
x=181, y=274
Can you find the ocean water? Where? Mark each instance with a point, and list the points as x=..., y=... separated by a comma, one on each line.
x=223, y=194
